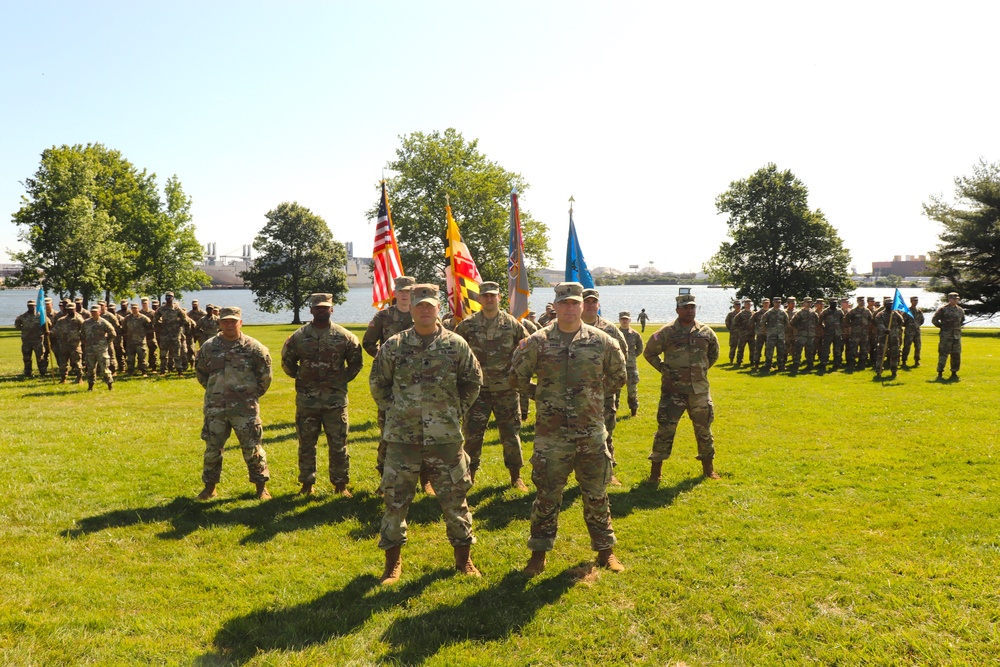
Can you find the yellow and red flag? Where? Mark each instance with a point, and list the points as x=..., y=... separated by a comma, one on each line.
x=386, y=264
x=461, y=273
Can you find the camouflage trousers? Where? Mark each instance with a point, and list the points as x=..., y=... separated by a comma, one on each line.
x=857, y=352
x=135, y=352
x=911, y=339
x=98, y=363
x=71, y=358
x=34, y=349
x=757, y=349
x=631, y=386
x=151, y=345
x=742, y=341
x=189, y=348
x=805, y=344
x=610, y=421
x=308, y=424
x=448, y=465
x=170, y=355
x=949, y=347
x=505, y=406
x=524, y=400
x=218, y=425
x=672, y=407
x=834, y=340
x=887, y=350
x=733, y=342
x=112, y=359
x=773, y=341
x=552, y=462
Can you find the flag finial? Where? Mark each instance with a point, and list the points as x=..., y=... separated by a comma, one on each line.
x=571, y=200
x=447, y=199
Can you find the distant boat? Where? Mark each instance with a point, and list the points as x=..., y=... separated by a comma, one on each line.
x=720, y=286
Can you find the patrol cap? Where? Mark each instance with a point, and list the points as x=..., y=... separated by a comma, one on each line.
x=155, y=302
x=748, y=300
x=95, y=307
x=952, y=295
x=49, y=299
x=489, y=287
x=861, y=299
x=624, y=315
x=102, y=303
x=123, y=302
x=912, y=298
x=426, y=293
x=820, y=300
x=78, y=300
x=790, y=298
x=31, y=303
x=403, y=283
x=194, y=301
x=209, y=306
x=591, y=293
x=531, y=313
x=145, y=298
x=231, y=313
x=169, y=295
x=776, y=299
x=568, y=292
x=808, y=299
x=765, y=300
x=134, y=305
x=685, y=299
x=320, y=299
x=871, y=298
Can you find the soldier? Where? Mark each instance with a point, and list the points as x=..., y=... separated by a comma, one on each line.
x=207, y=326
x=775, y=323
x=791, y=341
x=67, y=332
x=759, y=333
x=859, y=321
x=136, y=327
x=531, y=326
x=832, y=321
x=33, y=335
x=323, y=357
x=425, y=379
x=634, y=341
x=804, y=323
x=235, y=371
x=493, y=336
x=548, y=316
x=123, y=309
x=591, y=308
x=845, y=331
x=577, y=367
x=115, y=350
x=169, y=323
x=195, y=315
x=733, y=340
x=890, y=333
x=149, y=312
x=911, y=335
x=742, y=330
x=819, y=308
x=98, y=338
x=872, y=332
x=642, y=318
x=949, y=319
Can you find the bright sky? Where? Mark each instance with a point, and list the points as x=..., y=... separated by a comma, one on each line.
x=644, y=112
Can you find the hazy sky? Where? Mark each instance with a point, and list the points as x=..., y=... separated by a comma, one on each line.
x=643, y=112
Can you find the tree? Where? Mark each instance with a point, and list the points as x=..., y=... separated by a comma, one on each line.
x=779, y=246
x=430, y=166
x=968, y=256
x=296, y=256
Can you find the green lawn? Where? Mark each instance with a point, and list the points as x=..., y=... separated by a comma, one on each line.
x=856, y=523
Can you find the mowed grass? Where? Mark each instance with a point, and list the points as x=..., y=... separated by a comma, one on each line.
x=856, y=523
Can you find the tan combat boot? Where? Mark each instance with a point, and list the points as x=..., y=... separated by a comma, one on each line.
x=262, y=492
x=607, y=559
x=655, y=468
x=536, y=565
x=393, y=566
x=463, y=562
x=425, y=483
x=708, y=470
x=208, y=492
x=516, y=481
x=306, y=490
x=341, y=490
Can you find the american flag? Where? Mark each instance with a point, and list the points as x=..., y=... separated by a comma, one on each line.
x=385, y=257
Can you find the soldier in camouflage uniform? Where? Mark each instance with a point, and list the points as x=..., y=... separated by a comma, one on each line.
x=578, y=366
x=98, y=337
x=859, y=320
x=169, y=323
x=136, y=326
x=911, y=335
x=791, y=340
x=207, y=326
x=759, y=332
x=832, y=321
x=33, y=335
x=890, y=324
x=115, y=351
x=323, y=357
x=151, y=346
x=733, y=340
x=634, y=340
x=235, y=371
x=493, y=336
x=194, y=314
x=805, y=322
x=743, y=330
x=642, y=319
x=425, y=379
x=872, y=332
x=775, y=323
x=531, y=326
x=949, y=319
x=123, y=309
x=548, y=317
x=682, y=352
x=67, y=334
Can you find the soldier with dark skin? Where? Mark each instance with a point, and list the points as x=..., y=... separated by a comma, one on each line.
x=634, y=340
x=759, y=333
x=890, y=333
x=949, y=319
x=33, y=335
x=207, y=326
x=911, y=334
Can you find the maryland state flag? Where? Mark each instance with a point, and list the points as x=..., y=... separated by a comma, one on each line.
x=386, y=265
x=461, y=273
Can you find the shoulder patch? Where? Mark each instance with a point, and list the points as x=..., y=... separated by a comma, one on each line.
x=522, y=344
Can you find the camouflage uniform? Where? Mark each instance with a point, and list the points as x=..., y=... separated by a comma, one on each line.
x=493, y=341
x=949, y=319
x=98, y=336
x=890, y=333
x=169, y=324
x=206, y=328
x=805, y=323
x=575, y=373
x=911, y=335
x=150, y=337
x=791, y=340
x=775, y=321
x=642, y=319
x=425, y=388
x=531, y=327
x=859, y=320
x=115, y=351
x=136, y=327
x=832, y=321
x=33, y=335
x=323, y=362
x=634, y=340
x=733, y=339
x=744, y=333
x=194, y=315
x=68, y=332
x=235, y=374
x=872, y=334
x=758, y=333
x=611, y=400
x=386, y=324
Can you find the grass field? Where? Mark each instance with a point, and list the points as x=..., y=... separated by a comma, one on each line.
x=856, y=523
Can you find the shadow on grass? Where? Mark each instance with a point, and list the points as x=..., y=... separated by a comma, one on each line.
x=56, y=392
x=492, y=614
x=494, y=512
x=645, y=496
x=335, y=614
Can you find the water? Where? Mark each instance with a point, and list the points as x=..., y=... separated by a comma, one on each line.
x=658, y=300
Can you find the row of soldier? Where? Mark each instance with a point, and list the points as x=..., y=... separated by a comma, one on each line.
x=102, y=343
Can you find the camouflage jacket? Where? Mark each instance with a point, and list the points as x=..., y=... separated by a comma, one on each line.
x=573, y=379
x=113, y=319
x=612, y=330
x=949, y=320
x=889, y=322
x=136, y=328
x=634, y=340
x=757, y=321
x=859, y=320
x=196, y=314
x=425, y=391
x=730, y=316
x=323, y=362
x=493, y=342
x=687, y=354
x=169, y=322
x=741, y=323
x=913, y=321
x=529, y=326
x=832, y=321
x=32, y=331
x=206, y=328
x=805, y=322
x=775, y=321
x=235, y=374
x=789, y=327
x=68, y=330
x=97, y=335
x=386, y=324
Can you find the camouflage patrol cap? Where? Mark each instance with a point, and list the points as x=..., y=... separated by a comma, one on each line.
x=685, y=300
x=102, y=303
x=123, y=302
x=194, y=302
x=403, y=283
x=49, y=299
x=820, y=300
x=765, y=300
x=209, y=306
x=747, y=300
x=320, y=299
x=871, y=298
x=31, y=303
x=808, y=299
x=531, y=313
x=861, y=299
x=952, y=295
x=912, y=298
x=231, y=313
x=78, y=300
x=134, y=305
x=145, y=298
x=624, y=315
x=155, y=302
x=426, y=293
x=489, y=287
x=95, y=307
x=790, y=298
x=591, y=293
x=776, y=299
x=169, y=295
x=568, y=292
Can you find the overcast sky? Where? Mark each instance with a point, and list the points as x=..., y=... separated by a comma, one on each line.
x=643, y=112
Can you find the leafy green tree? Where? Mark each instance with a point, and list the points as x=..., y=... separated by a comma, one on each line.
x=779, y=246
x=968, y=256
x=430, y=166
x=296, y=256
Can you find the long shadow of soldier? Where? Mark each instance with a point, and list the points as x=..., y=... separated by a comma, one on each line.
x=491, y=614
x=645, y=496
x=271, y=432
x=494, y=512
x=335, y=614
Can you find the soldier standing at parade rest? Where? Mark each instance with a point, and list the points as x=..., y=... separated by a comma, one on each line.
x=577, y=367
x=115, y=351
x=235, y=371
x=791, y=341
x=775, y=323
x=68, y=332
x=493, y=336
x=758, y=332
x=170, y=322
x=859, y=320
x=136, y=327
x=733, y=340
x=548, y=317
x=804, y=323
x=742, y=330
x=207, y=326
x=531, y=326
x=819, y=309
x=949, y=319
x=911, y=335
x=33, y=334
x=642, y=318
x=98, y=336
x=425, y=379
x=872, y=332
x=150, y=313
x=634, y=340
x=195, y=315
x=323, y=357
x=682, y=352
x=845, y=327
x=890, y=333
